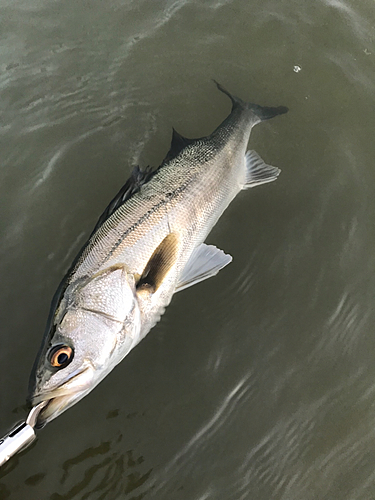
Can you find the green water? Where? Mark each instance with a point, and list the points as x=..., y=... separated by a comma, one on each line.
x=259, y=383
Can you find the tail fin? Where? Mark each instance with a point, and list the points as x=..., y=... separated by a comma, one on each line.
x=236, y=101
x=262, y=112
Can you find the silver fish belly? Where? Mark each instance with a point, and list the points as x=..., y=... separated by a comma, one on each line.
x=147, y=245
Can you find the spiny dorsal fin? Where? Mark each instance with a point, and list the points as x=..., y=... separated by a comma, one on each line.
x=160, y=263
x=136, y=180
x=132, y=185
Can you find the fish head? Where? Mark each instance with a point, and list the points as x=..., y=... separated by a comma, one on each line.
x=95, y=325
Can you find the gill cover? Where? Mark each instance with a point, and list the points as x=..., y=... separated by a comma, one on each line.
x=95, y=320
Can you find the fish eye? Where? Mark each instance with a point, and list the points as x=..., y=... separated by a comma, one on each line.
x=60, y=356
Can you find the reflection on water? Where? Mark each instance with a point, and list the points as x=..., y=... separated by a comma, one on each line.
x=259, y=382
x=98, y=472
x=103, y=472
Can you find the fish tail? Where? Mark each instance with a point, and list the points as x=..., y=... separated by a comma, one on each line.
x=262, y=112
x=236, y=101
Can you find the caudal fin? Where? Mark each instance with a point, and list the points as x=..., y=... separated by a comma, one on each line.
x=262, y=112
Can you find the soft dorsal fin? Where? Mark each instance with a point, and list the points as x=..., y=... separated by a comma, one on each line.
x=160, y=263
x=178, y=143
x=204, y=262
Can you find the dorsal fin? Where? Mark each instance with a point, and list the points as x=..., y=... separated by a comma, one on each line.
x=136, y=180
x=159, y=264
x=178, y=143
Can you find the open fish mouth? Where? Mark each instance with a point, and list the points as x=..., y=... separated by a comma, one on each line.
x=62, y=398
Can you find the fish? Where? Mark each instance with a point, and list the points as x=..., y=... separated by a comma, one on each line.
x=147, y=245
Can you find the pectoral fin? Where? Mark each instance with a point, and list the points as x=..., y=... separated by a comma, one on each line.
x=258, y=172
x=159, y=264
x=205, y=261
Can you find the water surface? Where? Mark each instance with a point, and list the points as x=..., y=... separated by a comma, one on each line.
x=259, y=383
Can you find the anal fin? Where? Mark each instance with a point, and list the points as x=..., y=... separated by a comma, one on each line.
x=258, y=172
x=204, y=262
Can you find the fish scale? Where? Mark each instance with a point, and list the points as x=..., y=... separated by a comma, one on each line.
x=147, y=245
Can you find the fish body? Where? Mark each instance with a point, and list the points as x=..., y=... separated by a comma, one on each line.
x=148, y=244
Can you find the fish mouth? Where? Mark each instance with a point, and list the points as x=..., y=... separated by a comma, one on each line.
x=65, y=396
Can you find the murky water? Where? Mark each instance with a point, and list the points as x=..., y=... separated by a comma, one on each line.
x=259, y=383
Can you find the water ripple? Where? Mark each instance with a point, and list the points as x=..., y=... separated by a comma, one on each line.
x=184, y=458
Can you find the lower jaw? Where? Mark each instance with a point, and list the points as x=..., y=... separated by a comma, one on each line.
x=53, y=409
x=44, y=416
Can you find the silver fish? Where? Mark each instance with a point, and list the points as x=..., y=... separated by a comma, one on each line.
x=146, y=246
